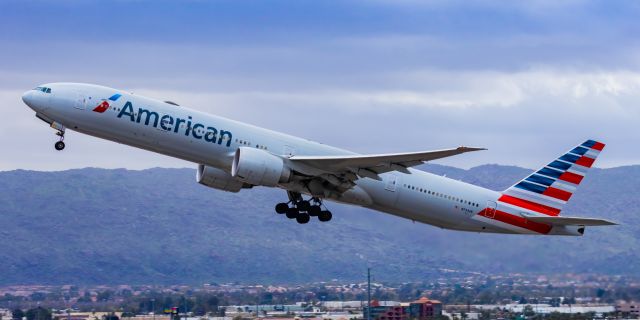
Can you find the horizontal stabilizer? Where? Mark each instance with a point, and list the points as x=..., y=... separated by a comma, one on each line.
x=570, y=221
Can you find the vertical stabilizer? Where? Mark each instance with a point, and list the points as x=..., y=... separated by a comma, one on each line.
x=547, y=190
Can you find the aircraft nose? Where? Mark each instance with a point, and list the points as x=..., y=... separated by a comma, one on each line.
x=27, y=98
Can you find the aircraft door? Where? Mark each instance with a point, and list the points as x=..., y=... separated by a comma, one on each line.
x=390, y=182
x=388, y=193
x=490, y=211
x=81, y=101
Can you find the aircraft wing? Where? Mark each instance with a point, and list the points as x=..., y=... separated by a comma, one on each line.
x=372, y=165
x=571, y=221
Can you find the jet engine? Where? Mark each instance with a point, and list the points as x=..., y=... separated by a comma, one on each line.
x=217, y=179
x=259, y=167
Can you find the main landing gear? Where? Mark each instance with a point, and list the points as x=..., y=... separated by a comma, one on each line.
x=302, y=210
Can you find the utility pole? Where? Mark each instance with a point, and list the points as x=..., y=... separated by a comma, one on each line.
x=153, y=308
x=368, y=293
x=257, y=302
x=185, y=307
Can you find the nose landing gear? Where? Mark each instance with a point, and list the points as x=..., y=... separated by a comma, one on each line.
x=60, y=144
x=302, y=210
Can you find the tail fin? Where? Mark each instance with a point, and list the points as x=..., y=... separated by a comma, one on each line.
x=548, y=189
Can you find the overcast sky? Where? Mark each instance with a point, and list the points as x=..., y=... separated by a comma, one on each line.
x=527, y=80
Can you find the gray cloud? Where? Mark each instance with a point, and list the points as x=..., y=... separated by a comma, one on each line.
x=527, y=81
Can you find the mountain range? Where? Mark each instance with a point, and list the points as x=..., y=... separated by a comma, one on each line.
x=99, y=226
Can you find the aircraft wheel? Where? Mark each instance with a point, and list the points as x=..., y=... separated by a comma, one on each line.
x=314, y=210
x=292, y=213
x=59, y=145
x=303, y=218
x=325, y=216
x=282, y=208
x=304, y=205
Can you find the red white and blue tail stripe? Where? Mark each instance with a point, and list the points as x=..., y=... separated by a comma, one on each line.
x=547, y=190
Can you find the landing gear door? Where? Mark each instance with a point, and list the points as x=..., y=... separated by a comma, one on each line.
x=81, y=101
x=491, y=209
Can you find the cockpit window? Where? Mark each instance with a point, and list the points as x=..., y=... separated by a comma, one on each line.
x=43, y=89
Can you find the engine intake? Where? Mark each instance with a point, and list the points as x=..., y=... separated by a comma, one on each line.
x=259, y=167
x=217, y=179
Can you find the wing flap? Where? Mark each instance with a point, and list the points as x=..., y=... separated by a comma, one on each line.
x=571, y=221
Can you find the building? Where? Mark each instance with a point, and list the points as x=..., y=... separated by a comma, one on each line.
x=421, y=309
x=424, y=308
x=353, y=305
x=84, y=315
x=5, y=314
x=631, y=309
x=548, y=309
x=148, y=317
x=462, y=315
x=379, y=312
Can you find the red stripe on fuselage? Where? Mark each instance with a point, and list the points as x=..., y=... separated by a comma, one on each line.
x=585, y=161
x=517, y=221
x=571, y=177
x=529, y=205
x=557, y=193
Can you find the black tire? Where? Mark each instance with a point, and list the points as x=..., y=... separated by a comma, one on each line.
x=59, y=145
x=314, y=210
x=325, y=216
x=303, y=218
x=304, y=205
x=292, y=213
x=282, y=208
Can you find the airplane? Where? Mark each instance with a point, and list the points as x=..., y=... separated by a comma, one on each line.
x=231, y=156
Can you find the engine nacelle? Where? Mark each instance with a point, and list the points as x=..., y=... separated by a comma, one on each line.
x=218, y=179
x=258, y=167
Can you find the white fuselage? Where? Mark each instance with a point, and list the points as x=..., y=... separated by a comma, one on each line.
x=418, y=195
